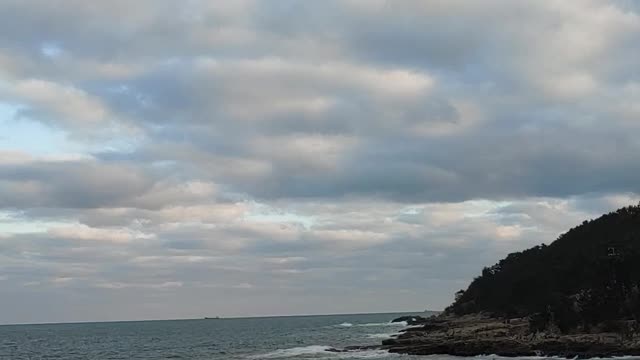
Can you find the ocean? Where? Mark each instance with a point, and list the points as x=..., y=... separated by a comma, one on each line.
x=294, y=337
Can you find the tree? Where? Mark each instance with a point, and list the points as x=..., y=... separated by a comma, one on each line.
x=575, y=281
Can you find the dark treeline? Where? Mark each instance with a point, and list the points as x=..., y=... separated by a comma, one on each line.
x=587, y=280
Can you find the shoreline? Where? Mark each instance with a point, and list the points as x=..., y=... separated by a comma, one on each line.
x=480, y=334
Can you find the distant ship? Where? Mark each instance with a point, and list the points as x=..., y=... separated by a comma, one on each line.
x=212, y=318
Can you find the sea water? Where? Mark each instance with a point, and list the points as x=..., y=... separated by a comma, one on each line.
x=295, y=337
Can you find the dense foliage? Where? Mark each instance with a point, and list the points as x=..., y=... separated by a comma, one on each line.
x=589, y=277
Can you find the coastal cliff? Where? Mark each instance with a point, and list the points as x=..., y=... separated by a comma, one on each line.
x=577, y=297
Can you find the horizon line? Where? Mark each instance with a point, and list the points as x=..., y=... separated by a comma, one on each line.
x=214, y=318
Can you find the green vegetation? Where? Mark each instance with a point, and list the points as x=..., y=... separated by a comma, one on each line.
x=588, y=280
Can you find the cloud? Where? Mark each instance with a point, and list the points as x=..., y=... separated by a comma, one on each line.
x=67, y=103
x=86, y=233
x=68, y=183
x=352, y=150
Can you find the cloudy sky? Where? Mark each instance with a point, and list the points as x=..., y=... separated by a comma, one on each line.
x=176, y=159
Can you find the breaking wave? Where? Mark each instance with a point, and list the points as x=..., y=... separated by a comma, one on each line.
x=322, y=352
x=383, y=335
x=400, y=324
x=292, y=352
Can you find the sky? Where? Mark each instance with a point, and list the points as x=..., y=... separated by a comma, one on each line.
x=180, y=159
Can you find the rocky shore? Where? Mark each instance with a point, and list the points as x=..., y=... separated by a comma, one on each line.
x=480, y=334
x=578, y=297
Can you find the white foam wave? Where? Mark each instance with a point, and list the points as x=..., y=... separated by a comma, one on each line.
x=293, y=352
x=367, y=354
x=401, y=323
x=321, y=352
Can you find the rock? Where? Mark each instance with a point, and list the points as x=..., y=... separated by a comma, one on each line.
x=410, y=320
x=559, y=314
x=481, y=334
x=362, y=348
x=354, y=348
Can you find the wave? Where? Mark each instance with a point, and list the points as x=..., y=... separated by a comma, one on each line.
x=348, y=324
x=292, y=352
x=367, y=354
x=401, y=323
x=383, y=335
x=322, y=352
